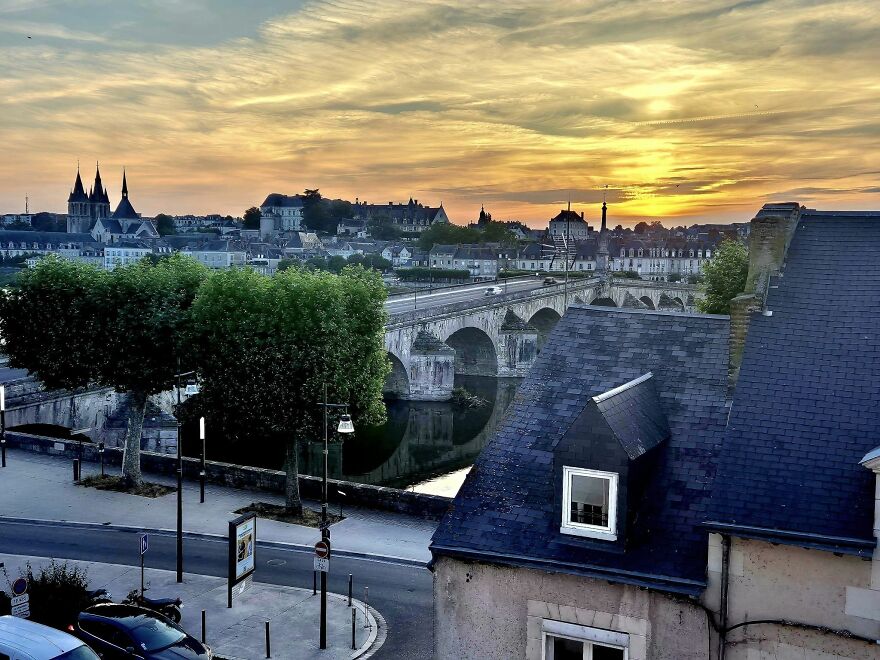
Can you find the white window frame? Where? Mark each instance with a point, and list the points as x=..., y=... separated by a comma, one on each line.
x=589, y=636
x=608, y=533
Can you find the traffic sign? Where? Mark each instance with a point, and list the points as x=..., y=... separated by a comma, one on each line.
x=322, y=564
x=322, y=549
x=144, y=544
x=19, y=586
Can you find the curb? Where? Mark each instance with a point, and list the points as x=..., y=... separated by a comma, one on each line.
x=201, y=536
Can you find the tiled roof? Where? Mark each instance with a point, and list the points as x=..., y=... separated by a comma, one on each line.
x=504, y=512
x=805, y=410
x=278, y=200
x=635, y=416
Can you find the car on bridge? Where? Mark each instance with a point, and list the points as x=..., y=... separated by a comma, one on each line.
x=493, y=291
x=550, y=281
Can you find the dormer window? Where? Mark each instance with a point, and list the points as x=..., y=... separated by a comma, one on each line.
x=589, y=503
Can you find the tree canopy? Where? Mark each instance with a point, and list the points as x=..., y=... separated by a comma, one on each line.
x=73, y=325
x=446, y=233
x=252, y=218
x=164, y=224
x=724, y=277
x=267, y=346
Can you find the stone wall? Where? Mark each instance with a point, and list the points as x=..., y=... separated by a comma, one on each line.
x=247, y=477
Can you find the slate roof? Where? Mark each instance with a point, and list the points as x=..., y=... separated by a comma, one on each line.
x=805, y=410
x=504, y=512
x=48, y=237
x=635, y=416
x=279, y=200
x=125, y=210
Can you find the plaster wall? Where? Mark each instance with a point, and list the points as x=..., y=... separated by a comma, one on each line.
x=487, y=611
x=807, y=586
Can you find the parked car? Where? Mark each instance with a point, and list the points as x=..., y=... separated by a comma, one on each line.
x=493, y=290
x=550, y=281
x=21, y=639
x=125, y=632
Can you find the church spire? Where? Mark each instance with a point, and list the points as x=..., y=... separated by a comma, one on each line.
x=124, y=184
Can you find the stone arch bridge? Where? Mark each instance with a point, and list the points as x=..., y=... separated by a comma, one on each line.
x=502, y=335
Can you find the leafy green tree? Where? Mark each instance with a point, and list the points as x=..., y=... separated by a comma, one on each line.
x=384, y=230
x=165, y=224
x=724, y=277
x=266, y=347
x=340, y=209
x=641, y=228
x=497, y=232
x=72, y=325
x=284, y=264
x=446, y=233
x=252, y=218
x=673, y=277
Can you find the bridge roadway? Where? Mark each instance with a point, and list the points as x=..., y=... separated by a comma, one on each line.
x=427, y=299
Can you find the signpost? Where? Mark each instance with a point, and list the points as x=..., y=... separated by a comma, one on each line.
x=21, y=606
x=242, y=549
x=144, y=546
x=322, y=556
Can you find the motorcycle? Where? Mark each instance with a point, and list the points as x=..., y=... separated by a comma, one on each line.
x=169, y=607
x=99, y=596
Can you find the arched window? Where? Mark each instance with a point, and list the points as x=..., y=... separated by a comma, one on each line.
x=708, y=254
x=632, y=252
x=640, y=252
x=691, y=254
x=622, y=252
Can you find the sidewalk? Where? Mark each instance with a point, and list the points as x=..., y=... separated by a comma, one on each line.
x=40, y=487
x=240, y=633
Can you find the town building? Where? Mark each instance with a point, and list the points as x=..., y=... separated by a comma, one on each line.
x=686, y=486
x=281, y=213
x=397, y=254
x=481, y=261
x=657, y=260
x=412, y=217
x=125, y=252
x=17, y=219
x=568, y=223
x=217, y=253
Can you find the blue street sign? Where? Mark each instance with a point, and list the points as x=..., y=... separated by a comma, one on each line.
x=19, y=586
x=144, y=544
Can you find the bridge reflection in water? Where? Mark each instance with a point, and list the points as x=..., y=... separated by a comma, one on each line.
x=421, y=440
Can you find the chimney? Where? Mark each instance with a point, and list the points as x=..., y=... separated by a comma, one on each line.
x=769, y=236
x=582, y=215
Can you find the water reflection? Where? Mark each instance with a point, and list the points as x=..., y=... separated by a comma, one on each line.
x=428, y=445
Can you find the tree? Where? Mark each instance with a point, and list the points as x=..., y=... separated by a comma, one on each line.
x=724, y=277
x=165, y=224
x=72, y=325
x=673, y=277
x=641, y=228
x=340, y=209
x=252, y=218
x=266, y=347
x=317, y=217
x=445, y=233
x=384, y=231
x=497, y=232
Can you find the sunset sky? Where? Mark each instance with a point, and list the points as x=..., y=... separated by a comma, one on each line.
x=687, y=110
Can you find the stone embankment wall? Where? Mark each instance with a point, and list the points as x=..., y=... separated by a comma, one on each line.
x=247, y=477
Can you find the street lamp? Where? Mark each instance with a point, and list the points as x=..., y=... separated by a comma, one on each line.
x=101, y=454
x=178, y=376
x=3, y=425
x=345, y=426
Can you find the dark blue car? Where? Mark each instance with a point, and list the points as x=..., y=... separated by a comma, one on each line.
x=126, y=632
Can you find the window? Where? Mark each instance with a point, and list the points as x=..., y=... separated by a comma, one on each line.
x=567, y=641
x=589, y=503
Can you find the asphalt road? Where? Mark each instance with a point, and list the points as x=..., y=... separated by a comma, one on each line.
x=403, y=594
x=427, y=299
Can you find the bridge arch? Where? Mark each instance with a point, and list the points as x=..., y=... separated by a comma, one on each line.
x=647, y=300
x=544, y=320
x=678, y=301
x=397, y=382
x=475, y=353
x=604, y=302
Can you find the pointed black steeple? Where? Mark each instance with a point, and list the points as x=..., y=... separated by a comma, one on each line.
x=125, y=211
x=124, y=184
x=78, y=194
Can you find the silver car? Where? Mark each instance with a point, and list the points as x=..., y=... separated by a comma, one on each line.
x=21, y=639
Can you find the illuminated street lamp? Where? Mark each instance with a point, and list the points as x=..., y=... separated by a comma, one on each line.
x=202, y=468
x=345, y=426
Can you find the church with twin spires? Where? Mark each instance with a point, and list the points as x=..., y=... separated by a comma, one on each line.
x=90, y=213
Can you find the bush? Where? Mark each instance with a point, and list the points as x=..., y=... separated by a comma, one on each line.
x=628, y=275
x=58, y=593
x=673, y=277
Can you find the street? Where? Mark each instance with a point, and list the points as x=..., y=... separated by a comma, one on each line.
x=424, y=299
x=402, y=593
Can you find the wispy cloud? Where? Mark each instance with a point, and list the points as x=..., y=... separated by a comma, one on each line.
x=688, y=109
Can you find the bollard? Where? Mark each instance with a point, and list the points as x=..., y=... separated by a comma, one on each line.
x=268, y=644
x=203, y=626
x=349, y=589
x=76, y=469
x=353, y=615
x=366, y=600
x=314, y=582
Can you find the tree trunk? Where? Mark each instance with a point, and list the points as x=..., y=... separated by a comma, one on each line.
x=131, y=454
x=291, y=466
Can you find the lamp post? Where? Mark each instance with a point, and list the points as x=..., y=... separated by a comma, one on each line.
x=101, y=454
x=3, y=425
x=178, y=376
x=202, y=467
x=345, y=426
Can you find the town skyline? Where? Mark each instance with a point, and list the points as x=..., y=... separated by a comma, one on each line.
x=687, y=113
